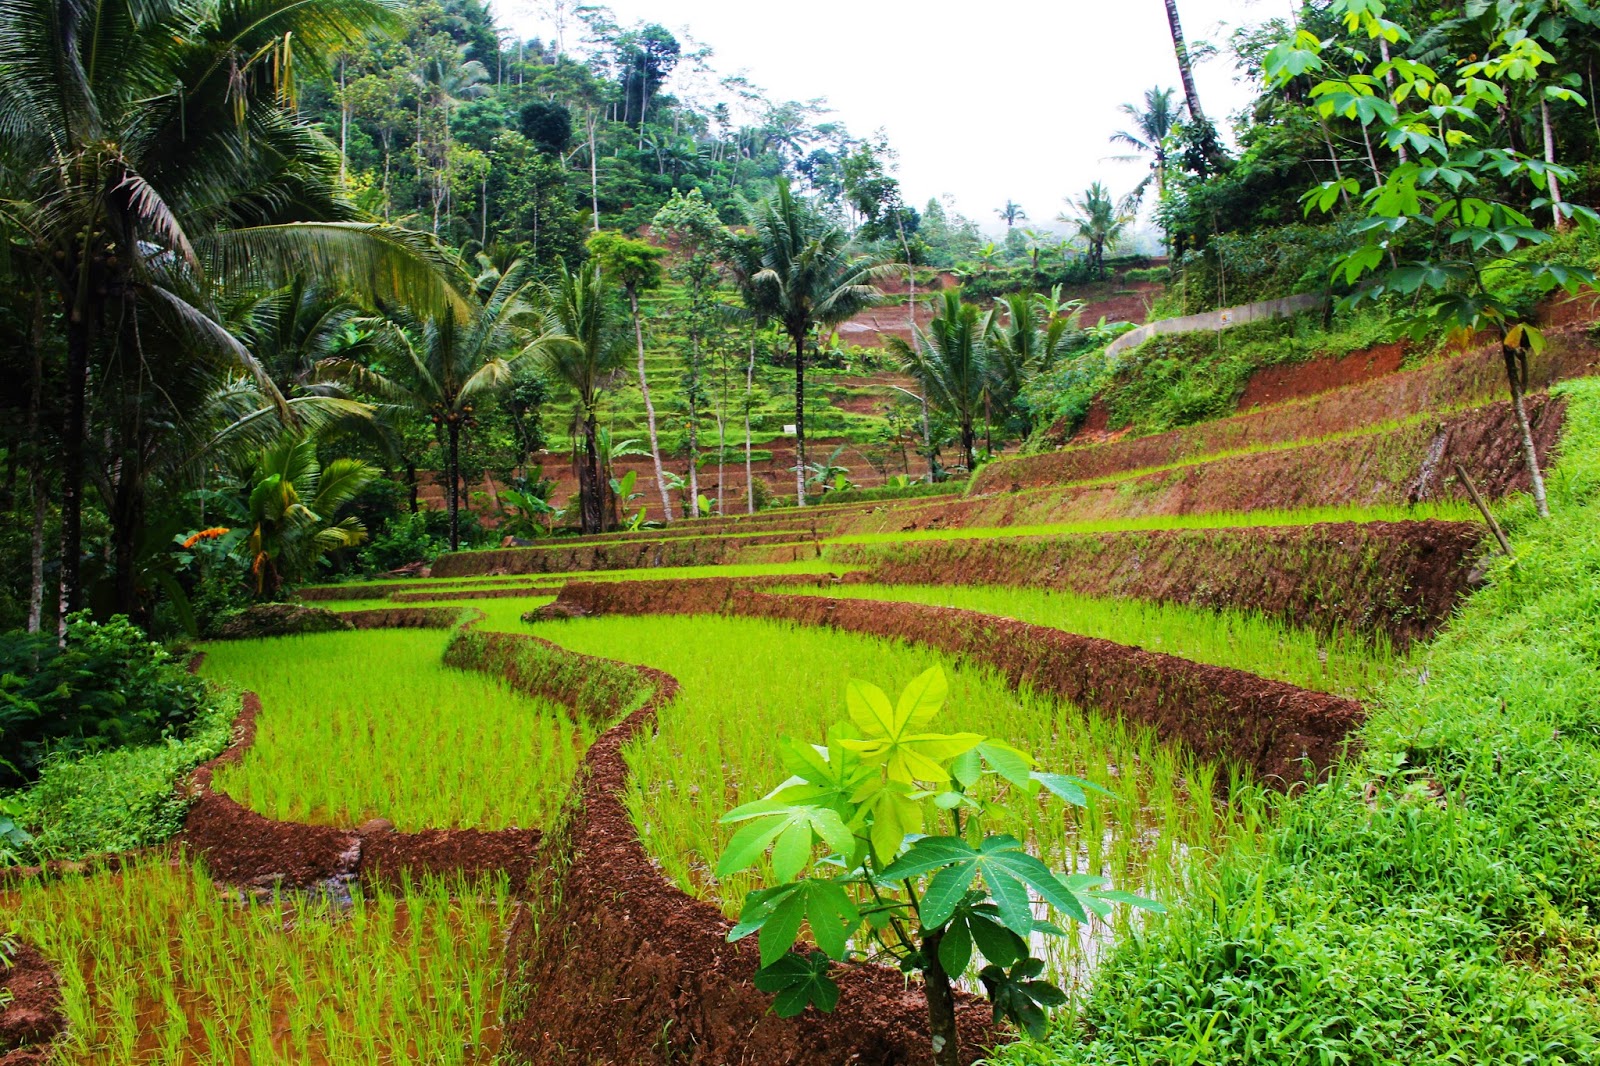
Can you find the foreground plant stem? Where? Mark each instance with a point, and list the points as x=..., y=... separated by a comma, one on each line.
x=1516, y=377
x=941, y=1003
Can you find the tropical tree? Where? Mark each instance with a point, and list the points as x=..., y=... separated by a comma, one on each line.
x=1099, y=221
x=1151, y=135
x=584, y=349
x=636, y=266
x=1024, y=336
x=448, y=367
x=291, y=507
x=1011, y=213
x=1180, y=48
x=950, y=360
x=149, y=154
x=809, y=279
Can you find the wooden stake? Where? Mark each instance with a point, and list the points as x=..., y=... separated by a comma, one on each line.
x=1483, y=508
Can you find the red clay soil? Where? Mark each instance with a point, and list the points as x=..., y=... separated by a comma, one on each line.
x=1403, y=464
x=1296, y=381
x=1269, y=726
x=406, y=617
x=517, y=592
x=1448, y=384
x=612, y=555
x=33, y=1018
x=1400, y=580
x=628, y=969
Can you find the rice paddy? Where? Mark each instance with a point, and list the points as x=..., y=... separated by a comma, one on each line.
x=1340, y=663
x=359, y=725
x=159, y=966
x=713, y=750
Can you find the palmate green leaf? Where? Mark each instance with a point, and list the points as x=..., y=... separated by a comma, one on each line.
x=893, y=815
x=778, y=913
x=1006, y=868
x=797, y=982
x=794, y=826
x=1019, y=996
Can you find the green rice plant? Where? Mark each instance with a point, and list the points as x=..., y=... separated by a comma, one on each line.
x=357, y=725
x=160, y=967
x=746, y=682
x=1349, y=665
x=1448, y=510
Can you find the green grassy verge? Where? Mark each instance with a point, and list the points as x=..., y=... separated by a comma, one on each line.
x=746, y=682
x=1434, y=901
x=157, y=966
x=372, y=724
x=1347, y=665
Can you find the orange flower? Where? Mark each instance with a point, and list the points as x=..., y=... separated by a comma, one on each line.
x=205, y=534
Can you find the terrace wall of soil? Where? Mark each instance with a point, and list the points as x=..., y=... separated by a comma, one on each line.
x=1398, y=579
x=1404, y=465
x=1272, y=728
x=1448, y=384
x=619, y=942
x=33, y=1019
x=608, y=555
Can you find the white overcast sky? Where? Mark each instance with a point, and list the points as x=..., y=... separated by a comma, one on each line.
x=984, y=99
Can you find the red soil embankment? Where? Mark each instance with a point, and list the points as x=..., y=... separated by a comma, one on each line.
x=33, y=1017
x=1448, y=384
x=1296, y=381
x=1400, y=580
x=1402, y=464
x=1271, y=727
x=627, y=968
x=615, y=555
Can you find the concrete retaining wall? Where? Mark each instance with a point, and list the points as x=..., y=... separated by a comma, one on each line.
x=1225, y=318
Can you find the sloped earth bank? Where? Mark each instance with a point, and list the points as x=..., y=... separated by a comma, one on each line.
x=1400, y=580
x=625, y=968
x=33, y=1018
x=1271, y=727
x=1441, y=385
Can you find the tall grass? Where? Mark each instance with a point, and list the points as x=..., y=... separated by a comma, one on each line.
x=1245, y=640
x=746, y=682
x=356, y=725
x=159, y=967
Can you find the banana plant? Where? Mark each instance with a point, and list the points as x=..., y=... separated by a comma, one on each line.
x=854, y=839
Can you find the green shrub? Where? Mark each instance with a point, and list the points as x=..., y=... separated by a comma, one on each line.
x=1160, y=273
x=888, y=492
x=107, y=686
x=113, y=801
x=408, y=538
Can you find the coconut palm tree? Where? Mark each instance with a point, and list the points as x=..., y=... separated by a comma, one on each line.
x=1185, y=68
x=448, y=367
x=148, y=156
x=1150, y=136
x=585, y=349
x=1099, y=220
x=1025, y=335
x=951, y=362
x=1011, y=213
x=291, y=509
x=810, y=279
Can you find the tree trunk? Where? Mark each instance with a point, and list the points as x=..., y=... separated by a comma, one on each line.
x=453, y=489
x=694, y=417
x=40, y=498
x=591, y=502
x=969, y=445
x=1185, y=70
x=649, y=408
x=749, y=392
x=1550, y=158
x=1515, y=374
x=411, y=483
x=941, y=1005
x=127, y=518
x=72, y=459
x=799, y=339
x=594, y=172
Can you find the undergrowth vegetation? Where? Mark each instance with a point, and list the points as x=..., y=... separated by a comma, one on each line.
x=712, y=750
x=358, y=725
x=1435, y=900
x=158, y=966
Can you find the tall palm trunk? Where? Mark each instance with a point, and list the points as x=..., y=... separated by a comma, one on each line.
x=1517, y=378
x=1550, y=158
x=1185, y=69
x=591, y=501
x=798, y=336
x=694, y=422
x=72, y=462
x=649, y=408
x=452, y=472
x=40, y=498
x=749, y=392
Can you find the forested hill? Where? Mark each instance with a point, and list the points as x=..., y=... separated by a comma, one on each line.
x=453, y=126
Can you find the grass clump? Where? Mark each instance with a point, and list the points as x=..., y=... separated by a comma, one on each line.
x=1434, y=901
x=713, y=748
x=157, y=966
x=1244, y=640
x=358, y=725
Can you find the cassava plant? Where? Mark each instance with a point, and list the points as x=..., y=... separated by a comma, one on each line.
x=859, y=860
